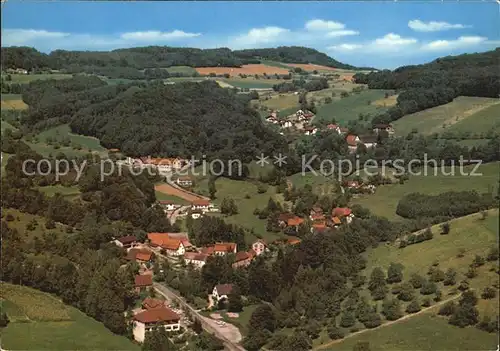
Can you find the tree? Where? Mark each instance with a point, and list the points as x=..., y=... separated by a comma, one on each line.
x=4, y=320
x=464, y=315
x=211, y=188
x=209, y=342
x=417, y=280
x=489, y=293
x=428, y=288
x=335, y=332
x=464, y=285
x=406, y=293
x=50, y=224
x=157, y=340
x=478, y=261
x=445, y=228
x=262, y=318
x=298, y=341
x=347, y=319
x=413, y=307
x=437, y=275
x=372, y=320
x=235, y=304
x=447, y=309
x=471, y=272
x=493, y=254
x=228, y=206
x=391, y=309
x=394, y=273
x=468, y=298
x=450, y=277
x=438, y=295
x=377, y=279
x=426, y=302
x=197, y=327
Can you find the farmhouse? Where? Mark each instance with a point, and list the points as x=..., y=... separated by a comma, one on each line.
x=221, y=249
x=388, y=128
x=202, y=205
x=286, y=124
x=284, y=217
x=126, y=241
x=370, y=141
x=147, y=320
x=184, y=181
x=259, y=247
x=196, y=214
x=310, y=130
x=352, y=142
x=173, y=247
x=198, y=260
x=334, y=127
x=221, y=291
x=142, y=282
x=140, y=255
x=352, y=184
x=343, y=212
x=294, y=221
x=319, y=227
x=243, y=259
x=169, y=205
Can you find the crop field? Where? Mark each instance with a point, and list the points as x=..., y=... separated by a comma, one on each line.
x=251, y=69
x=311, y=67
x=441, y=118
x=26, y=78
x=385, y=200
x=12, y=102
x=178, y=200
x=276, y=64
x=57, y=134
x=349, y=108
x=169, y=190
x=39, y=321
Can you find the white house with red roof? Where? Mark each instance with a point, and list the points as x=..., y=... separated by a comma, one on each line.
x=221, y=291
x=259, y=247
x=343, y=212
x=202, y=205
x=148, y=319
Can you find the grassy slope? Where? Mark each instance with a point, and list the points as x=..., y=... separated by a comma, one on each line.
x=26, y=78
x=427, y=331
x=480, y=122
x=251, y=83
x=73, y=330
x=161, y=196
x=386, y=197
x=431, y=120
x=349, y=108
x=25, y=218
x=69, y=192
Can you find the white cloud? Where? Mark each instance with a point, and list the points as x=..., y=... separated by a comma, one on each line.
x=460, y=43
x=157, y=36
x=257, y=36
x=393, y=41
x=16, y=37
x=341, y=33
x=322, y=25
x=345, y=47
x=433, y=26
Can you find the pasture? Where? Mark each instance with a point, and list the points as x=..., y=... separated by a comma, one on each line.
x=251, y=82
x=161, y=196
x=282, y=101
x=349, y=108
x=180, y=70
x=386, y=102
x=480, y=123
x=22, y=219
x=70, y=192
x=386, y=197
x=439, y=119
x=27, y=78
x=40, y=321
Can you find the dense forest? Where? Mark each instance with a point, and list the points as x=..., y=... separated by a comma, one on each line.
x=129, y=63
x=436, y=83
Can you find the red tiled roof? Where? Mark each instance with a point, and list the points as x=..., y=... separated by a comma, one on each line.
x=129, y=239
x=150, y=303
x=336, y=220
x=317, y=217
x=195, y=256
x=295, y=221
x=143, y=255
x=341, y=211
x=224, y=289
x=208, y=250
x=351, y=140
x=319, y=226
x=293, y=241
x=155, y=315
x=171, y=244
x=285, y=216
x=157, y=239
x=143, y=280
x=225, y=247
x=332, y=126
x=241, y=256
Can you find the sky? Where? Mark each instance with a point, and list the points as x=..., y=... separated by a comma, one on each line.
x=375, y=34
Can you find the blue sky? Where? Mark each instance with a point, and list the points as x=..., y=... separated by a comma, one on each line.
x=378, y=34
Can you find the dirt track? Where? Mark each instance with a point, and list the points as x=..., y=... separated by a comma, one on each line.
x=245, y=69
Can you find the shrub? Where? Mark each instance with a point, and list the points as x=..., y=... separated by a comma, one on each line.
x=428, y=288
x=413, y=307
x=445, y=228
x=489, y=293
x=447, y=309
x=335, y=333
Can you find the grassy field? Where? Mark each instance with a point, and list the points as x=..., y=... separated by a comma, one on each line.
x=5, y=159
x=349, y=108
x=180, y=69
x=275, y=64
x=386, y=197
x=162, y=196
x=428, y=331
x=472, y=142
x=282, y=102
x=26, y=78
x=439, y=119
x=480, y=122
x=251, y=83
x=21, y=219
x=12, y=102
x=42, y=322
x=386, y=102
x=88, y=144
x=6, y=125
x=320, y=183
x=238, y=190
x=70, y=192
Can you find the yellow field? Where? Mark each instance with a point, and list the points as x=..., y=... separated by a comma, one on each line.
x=13, y=105
x=390, y=101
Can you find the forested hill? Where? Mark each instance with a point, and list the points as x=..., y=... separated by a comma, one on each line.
x=160, y=56
x=438, y=82
x=179, y=120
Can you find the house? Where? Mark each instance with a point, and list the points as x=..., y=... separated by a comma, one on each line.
x=203, y=205
x=173, y=247
x=142, y=282
x=317, y=217
x=184, y=181
x=316, y=210
x=221, y=291
x=146, y=320
x=284, y=217
x=150, y=303
x=352, y=142
x=183, y=237
x=208, y=250
x=343, y=212
x=318, y=227
x=126, y=241
x=140, y=255
x=259, y=247
x=169, y=205
x=344, y=130
x=294, y=221
x=286, y=124
x=243, y=259
x=370, y=141
x=310, y=130
x=293, y=241
x=388, y=128
x=222, y=249
x=334, y=127
x=198, y=260
x=336, y=221
x=353, y=184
